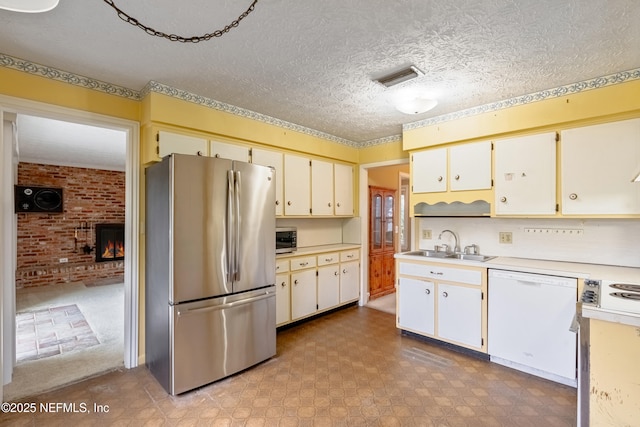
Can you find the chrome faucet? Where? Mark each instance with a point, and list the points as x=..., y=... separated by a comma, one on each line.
x=456, y=248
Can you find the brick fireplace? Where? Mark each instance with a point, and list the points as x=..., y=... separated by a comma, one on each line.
x=55, y=248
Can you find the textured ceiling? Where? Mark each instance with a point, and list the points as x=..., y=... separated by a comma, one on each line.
x=311, y=62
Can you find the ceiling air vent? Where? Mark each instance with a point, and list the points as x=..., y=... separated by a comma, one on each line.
x=398, y=77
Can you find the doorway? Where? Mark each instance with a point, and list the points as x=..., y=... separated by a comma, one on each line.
x=382, y=227
x=128, y=289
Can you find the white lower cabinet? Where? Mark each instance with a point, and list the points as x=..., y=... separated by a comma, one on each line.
x=303, y=293
x=283, y=298
x=460, y=314
x=444, y=302
x=349, y=281
x=316, y=283
x=416, y=305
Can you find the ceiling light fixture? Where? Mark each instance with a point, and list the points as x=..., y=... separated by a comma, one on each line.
x=173, y=37
x=416, y=105
x=28, y=6
x=398, y=77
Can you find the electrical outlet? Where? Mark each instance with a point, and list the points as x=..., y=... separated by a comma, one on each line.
x=426, y=234
x=506, y=237
x=63, y=260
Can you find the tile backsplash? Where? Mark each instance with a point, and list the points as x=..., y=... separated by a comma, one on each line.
x=597, y=241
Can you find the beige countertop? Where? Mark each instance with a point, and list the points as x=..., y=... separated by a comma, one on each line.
x=310, y=250
x=559, y=268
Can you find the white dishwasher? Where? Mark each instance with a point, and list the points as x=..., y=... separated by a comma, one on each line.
x=529, y=316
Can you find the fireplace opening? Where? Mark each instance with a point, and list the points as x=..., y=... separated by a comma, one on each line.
x=109, y=242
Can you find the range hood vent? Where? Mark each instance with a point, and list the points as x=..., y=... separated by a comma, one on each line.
x=442, y=209
x=398, y=77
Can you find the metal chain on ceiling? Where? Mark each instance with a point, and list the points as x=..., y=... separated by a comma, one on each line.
x=176, y=38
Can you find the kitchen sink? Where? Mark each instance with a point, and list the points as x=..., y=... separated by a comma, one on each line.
x=437, y=254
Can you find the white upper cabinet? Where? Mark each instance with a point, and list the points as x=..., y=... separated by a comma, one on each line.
x=525, y=175
x=226, y=150
x=321, y=188
x=470, y=166
x=343, y=183
x=459, y=168
x=297, y=185
x=598, y=164
x=429, y=171
x=169, y=143
x=272, y=159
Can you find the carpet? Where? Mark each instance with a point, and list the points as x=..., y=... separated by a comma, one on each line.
x=386, y=303
x=52, y=331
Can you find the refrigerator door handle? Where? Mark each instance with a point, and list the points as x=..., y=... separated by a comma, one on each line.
x=231, y=250
x=189, y=311
x=237, y=183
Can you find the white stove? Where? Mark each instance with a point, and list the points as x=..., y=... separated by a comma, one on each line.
x=612, y=295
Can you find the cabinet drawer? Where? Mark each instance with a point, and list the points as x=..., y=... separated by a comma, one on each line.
x=303, y=262
x=351, y=255
x=437, y=272
x=329, y=258
x=282, y=266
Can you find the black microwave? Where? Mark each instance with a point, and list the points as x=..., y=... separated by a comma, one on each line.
x=286, y=239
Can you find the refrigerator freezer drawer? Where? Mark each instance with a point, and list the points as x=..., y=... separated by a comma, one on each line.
x=214, y=339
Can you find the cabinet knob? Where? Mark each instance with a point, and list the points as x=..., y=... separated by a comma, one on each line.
x=338, y=204
x=217, y=156
x=503, y=199
x=335, y=274
x=302, y=264
x=329, y=204
x=199, y=153
x=457, y=177
x=427, y=291
x=573, y=196
x=283, y=284
x=345, y=272
x=289, y=203
x=444, y=294
x=277, y=202
x=295, y=282
x=439, y=179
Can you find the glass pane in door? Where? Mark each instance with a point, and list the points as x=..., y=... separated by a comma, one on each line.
x=376, y=221
x=389, y=207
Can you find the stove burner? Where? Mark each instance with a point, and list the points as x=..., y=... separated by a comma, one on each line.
x=626, y=295
x=625, y=287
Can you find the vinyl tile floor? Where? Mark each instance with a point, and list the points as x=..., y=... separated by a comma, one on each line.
x=348, y=368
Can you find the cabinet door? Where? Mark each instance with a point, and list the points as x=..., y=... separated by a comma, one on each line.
x=598, y=164
x=416, y=305
x=376, y=275
x=303, y=293
x=429, y=171
x=225, y=150
x=460, y=314
x=272, y=159
x=470, y=166
x=283, y=299
x=321, y=188
x=525, y=175
x=349, y=281
x=297, y=185
x=328, y=286
x=182, y=144
x=343, y=184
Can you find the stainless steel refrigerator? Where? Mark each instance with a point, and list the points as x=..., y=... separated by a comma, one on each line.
x=210, y=269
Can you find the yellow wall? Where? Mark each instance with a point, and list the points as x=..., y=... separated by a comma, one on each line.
x=162, y=111
x=592, y=106
x=387, y=176
x=614, y=378
x=35, y=88
x=382, y=153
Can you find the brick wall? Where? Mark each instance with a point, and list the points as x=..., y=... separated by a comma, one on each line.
x=89, y=195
